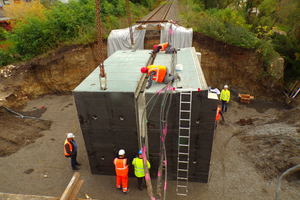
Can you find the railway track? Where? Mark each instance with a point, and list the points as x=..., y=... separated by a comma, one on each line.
x=163, y=13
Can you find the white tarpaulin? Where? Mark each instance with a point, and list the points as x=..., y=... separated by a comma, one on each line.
x=119, y=39
x=177, y=36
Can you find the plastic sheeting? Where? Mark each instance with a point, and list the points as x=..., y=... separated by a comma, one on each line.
x=177, y=36
x=119, y=39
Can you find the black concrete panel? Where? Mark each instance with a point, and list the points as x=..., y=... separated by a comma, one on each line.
x=108, y=123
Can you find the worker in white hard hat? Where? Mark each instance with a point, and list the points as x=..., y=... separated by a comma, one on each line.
x=225, y=97
x=121, y=168
x=70, y=150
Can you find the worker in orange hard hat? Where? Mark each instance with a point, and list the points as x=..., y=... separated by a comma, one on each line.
x=121, y=168
x=160, y=47
x=70, y=150
x=157, y=73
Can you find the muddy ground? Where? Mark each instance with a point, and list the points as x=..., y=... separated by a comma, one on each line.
x=17, y=132
x=40, y=167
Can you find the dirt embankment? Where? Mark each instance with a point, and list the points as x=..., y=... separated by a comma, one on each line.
x=240, y=68
x=62, y=70
x=57, y=72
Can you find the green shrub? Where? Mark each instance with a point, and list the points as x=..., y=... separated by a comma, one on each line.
x=289, y=48
x=239, y=36
x=229, y=16
x=229, y=28
x=3, y=34
x=267, y=51
x=6, y=57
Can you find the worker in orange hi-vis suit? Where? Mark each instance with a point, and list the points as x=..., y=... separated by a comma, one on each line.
x=160, y=47
x=121, y=168
x=157, y=73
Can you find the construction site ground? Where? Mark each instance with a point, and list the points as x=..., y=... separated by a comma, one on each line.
x=243, y=166
x=251, y=149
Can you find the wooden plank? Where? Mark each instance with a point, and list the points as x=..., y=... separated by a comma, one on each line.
x=76, y=188
x=68, y=191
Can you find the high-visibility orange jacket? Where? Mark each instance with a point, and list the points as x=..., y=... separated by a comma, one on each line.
x=163, y=46
x=218, y=113
x=121, y=166
x=68, y=151
x=160, y=72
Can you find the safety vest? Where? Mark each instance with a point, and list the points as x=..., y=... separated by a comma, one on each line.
x=163, y=46
x=225, y=95
x=160, y=72
x=218, y=113
x=139, y=167
x=70, y=146
x=121, y=166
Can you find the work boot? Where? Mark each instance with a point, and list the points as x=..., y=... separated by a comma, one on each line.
x=78, y=164
x=125, y=192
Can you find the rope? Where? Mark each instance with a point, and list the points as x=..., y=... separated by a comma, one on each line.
x=165, y=108
x=144, y=148
x=18, y=114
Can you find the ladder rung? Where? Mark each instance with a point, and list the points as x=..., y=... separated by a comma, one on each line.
x=184, y=128
x=183, y=161
x=184, y=145
x=182, y=178
x=183, y=136
x=185, y=102
x=183, y=170
x=184, y=153
x=184, y=142
x=181, y=185
x=189, y=93
x=185, y=120
x=181, y=194
x=185, y=111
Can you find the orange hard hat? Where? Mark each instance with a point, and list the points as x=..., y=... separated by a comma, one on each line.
x=144, y=69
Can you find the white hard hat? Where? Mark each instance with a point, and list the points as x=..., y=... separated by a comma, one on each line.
x=70, y=135
x=121, y=152
x=225, y=86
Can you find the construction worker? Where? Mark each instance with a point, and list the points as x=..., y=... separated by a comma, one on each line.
x=121, y=168
x=225, y=97
x=139, y=169
x=70, y=150
x=219, y=114
x=160, y=47
x=157, y=73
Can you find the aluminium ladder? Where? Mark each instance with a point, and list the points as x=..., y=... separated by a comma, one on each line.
x=185, y=107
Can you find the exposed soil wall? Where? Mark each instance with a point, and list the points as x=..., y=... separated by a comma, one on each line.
x=240, y=68
x=62, y=70
x=55, y=73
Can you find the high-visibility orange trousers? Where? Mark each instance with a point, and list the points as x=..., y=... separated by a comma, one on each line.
x=122, y=181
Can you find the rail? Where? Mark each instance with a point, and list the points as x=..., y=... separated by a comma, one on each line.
x=160, y=14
